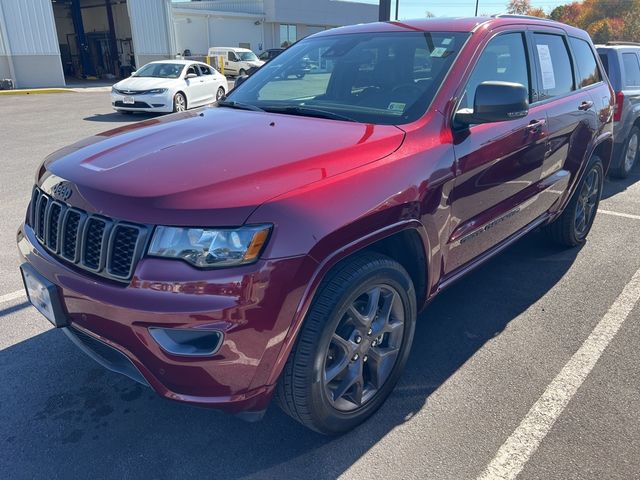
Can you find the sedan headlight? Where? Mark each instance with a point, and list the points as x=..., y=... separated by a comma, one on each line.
x=157, y=90
x=210, y=248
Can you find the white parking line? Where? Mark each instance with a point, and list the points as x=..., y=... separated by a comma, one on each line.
x=12, y=296
x=618, y=214
x=524, y=441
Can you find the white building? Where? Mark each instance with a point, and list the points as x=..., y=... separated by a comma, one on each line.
x=44, y=42
x=260, y=24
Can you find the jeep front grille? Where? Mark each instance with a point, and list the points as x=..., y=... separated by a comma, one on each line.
x=101, y=245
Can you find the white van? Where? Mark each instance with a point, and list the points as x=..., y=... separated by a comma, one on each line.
x=237, y=61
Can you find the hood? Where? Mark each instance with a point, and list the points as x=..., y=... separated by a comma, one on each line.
x=213, y=166
x=145, y=83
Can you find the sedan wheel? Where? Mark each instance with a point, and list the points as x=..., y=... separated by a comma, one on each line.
x=179, y=103
x=219, y=94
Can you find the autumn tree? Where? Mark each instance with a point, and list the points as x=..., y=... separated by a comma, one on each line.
x=519, y=7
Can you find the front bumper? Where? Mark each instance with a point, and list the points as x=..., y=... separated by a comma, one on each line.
x=252, y=305
x=160, y=103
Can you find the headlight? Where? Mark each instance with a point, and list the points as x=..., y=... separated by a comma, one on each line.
x=157, y=90
x=210, y=248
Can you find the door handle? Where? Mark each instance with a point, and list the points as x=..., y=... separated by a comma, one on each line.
x=535, y=126
x=586, y=105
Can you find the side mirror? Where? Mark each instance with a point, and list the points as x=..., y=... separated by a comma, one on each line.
x=496, y=102
x=191, y=75
x=132, y=73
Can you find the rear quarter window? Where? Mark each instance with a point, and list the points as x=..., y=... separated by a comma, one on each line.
x=588, y=72
x=631, y=70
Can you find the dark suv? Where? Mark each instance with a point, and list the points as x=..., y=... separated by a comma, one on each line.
x=621, y=60
x=283, y=243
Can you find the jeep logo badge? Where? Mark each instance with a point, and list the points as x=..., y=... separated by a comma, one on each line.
x=61, y=191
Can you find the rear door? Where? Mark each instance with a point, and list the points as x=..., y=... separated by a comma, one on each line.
x=498, y=164
x=571, y=102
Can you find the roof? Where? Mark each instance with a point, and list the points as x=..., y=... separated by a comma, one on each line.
x=179, y=62
x=619, y=45
x=462, y=24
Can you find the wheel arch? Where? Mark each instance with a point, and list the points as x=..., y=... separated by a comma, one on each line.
x=604, y=150
x=398, y=241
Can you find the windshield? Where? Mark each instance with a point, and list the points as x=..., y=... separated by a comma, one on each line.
x=160, y=70
x=248, y=56
x=386, y=78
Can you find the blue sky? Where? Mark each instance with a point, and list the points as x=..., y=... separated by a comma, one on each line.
x=456, y=8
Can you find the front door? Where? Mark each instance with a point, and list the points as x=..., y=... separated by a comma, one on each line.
x=498, y=164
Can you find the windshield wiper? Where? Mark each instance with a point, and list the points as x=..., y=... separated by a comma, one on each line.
x=309, y=112
x=239, y=106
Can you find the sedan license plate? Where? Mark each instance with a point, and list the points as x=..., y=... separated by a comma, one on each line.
x=44, y=296
x=129, y=100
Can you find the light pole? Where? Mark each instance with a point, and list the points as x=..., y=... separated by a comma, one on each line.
x=397, y=9
x=477, y=2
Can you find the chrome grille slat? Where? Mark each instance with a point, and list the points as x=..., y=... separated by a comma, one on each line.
x=95, y=243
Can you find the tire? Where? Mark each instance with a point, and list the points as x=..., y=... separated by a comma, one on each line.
x=629, y=156
x=305, y=390
x=300, y=75
x=220, y=93
x=242, y=72
x=568, y=229
x=179, y=102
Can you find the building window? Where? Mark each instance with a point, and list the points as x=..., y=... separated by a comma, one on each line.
x=288, y=35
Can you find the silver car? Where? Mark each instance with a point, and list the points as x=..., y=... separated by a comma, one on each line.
x=621, y=60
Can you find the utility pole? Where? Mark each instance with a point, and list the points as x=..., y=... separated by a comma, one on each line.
x=384, y=11
x=477, y=2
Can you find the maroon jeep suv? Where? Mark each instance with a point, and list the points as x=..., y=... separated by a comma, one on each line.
x=282, y=243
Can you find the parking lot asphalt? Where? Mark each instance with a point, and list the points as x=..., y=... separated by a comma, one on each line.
x=508, y=337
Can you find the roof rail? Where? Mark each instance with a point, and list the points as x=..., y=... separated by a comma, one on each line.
x=513, y=15
x=616, y=42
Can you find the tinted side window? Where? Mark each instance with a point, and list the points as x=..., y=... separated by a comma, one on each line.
x=205, y=70
x=588, y=72
x=555, y=73
x=631, y=70
x=503, y=59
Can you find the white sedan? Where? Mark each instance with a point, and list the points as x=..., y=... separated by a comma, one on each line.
x=168, y=86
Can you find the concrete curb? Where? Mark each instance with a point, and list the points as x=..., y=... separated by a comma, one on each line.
x=30, y=91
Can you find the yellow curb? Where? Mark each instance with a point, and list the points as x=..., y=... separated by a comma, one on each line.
x=29, y=91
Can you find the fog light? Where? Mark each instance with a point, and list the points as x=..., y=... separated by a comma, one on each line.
x=187, y=342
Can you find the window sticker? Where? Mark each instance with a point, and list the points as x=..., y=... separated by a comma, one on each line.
x=396, y=107
x=446, y=41
x=438, y=52
x=546, y=67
